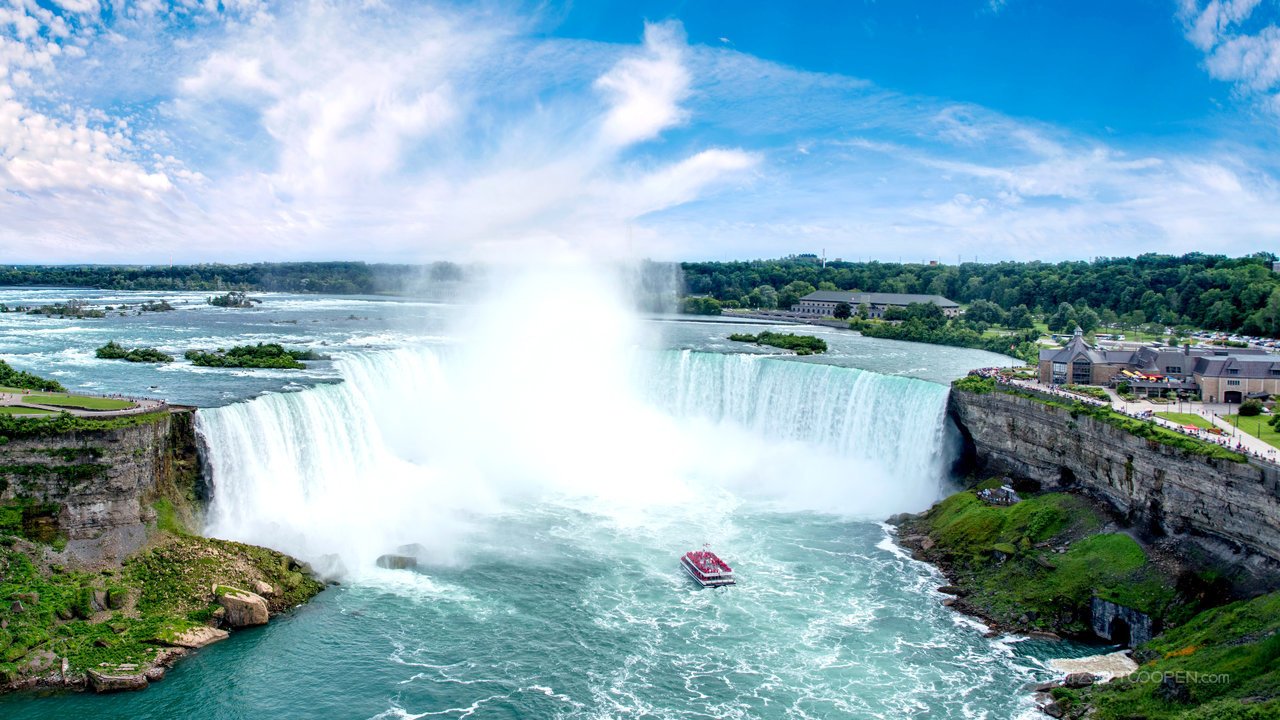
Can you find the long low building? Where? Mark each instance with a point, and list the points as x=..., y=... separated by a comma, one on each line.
x=823, y=303
x=1218, y=374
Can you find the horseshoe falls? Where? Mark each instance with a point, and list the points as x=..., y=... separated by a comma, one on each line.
x=409, y=449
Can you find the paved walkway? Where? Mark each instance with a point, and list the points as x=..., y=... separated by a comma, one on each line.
x=141, y=406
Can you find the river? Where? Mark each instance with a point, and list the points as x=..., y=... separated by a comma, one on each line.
x=546, y=475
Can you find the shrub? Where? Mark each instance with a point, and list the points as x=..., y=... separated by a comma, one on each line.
x=1250, y=408
x=975, y=384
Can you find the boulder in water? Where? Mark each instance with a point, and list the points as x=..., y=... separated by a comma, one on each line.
x=119, y=681
x=199, y=637
x=397, y=562
x=1079, y=680
x=244, y=609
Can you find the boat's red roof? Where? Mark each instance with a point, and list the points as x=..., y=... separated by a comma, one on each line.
x=707, y=561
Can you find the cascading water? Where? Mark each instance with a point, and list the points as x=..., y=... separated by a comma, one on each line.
x=414, y=446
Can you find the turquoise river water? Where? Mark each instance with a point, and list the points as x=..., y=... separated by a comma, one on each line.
x=546, y=492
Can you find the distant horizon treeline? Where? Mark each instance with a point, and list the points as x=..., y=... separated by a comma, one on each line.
x=337, y=278
x=1197, y=289
x=1200, y=290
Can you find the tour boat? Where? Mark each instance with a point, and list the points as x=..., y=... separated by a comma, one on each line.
x=706, y=568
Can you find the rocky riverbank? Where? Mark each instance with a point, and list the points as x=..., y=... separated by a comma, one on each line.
x=121, y=628
x=103, y=583
x=1041, y=564
x=1053, y=565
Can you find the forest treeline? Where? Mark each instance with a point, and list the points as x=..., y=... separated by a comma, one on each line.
x=339, y=278
x=1199, y=290
x=1207, y=291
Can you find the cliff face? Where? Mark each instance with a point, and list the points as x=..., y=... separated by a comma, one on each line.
x=1230, y=509
x=99, y=489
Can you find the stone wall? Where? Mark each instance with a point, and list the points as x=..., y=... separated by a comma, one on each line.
x=1106, y=618
x=1230, y=509
x=99, y=489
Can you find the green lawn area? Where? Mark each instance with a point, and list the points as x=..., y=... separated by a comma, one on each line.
x=1186, y=419
x=1256, y=426
x=18, y=410
x=86, y=402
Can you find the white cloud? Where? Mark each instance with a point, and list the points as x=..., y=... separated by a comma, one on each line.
x=344, y=130
x=1253, y=61
x=81, y=7
x=1250, y=60
x=646, y=90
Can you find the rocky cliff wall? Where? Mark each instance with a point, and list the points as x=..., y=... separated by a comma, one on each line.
x=98, y=489
x=1230, y=509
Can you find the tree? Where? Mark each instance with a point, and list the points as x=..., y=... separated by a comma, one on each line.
x=1251, y=408
x=1064, y=319
x=1134, y=320
x=1221, y=315
x=842, y=311
x=1087, y=320
x=764, y=297
x=1020, y=318
x=1108, y=317
x=985, y=311
x=792, y=292
x=700, y=306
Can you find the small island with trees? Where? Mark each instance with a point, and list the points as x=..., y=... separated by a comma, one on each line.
x=114, y=351
x=262, y=355
x=233, y=299
x=799, y=344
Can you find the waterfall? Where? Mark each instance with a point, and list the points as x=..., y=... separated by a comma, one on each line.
x=416, y=445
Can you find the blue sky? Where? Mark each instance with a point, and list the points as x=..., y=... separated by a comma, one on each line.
x=248, y=130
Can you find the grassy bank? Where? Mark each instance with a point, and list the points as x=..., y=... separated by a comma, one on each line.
x=1256, y=426
x=62, y=423
x=1036, y=565
x=81, y=402
x=1222, y=664
x=1186, y=419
